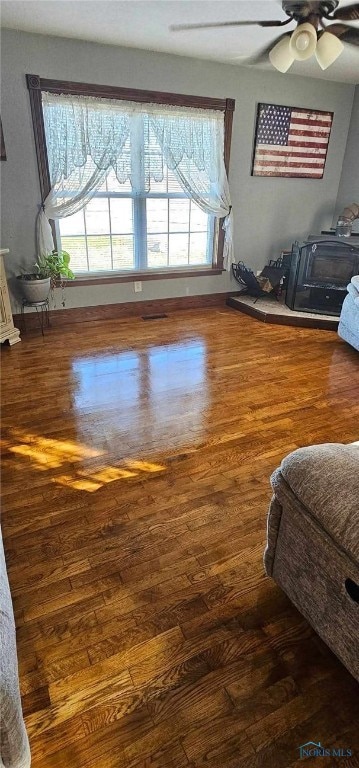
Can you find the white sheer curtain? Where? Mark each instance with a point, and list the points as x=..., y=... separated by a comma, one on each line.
x=87, y=137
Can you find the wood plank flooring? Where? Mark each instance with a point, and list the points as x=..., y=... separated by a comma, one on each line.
x=136, y=464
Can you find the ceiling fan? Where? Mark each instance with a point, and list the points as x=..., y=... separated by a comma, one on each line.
x=311, y=35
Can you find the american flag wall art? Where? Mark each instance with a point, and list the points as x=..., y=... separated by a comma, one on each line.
x=291, y=141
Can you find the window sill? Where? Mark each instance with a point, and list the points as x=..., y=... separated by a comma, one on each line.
x=122, y=277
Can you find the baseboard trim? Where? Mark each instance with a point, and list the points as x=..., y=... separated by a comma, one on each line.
x=62, y=317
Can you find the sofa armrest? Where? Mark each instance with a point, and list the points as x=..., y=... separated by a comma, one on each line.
x=14, y=744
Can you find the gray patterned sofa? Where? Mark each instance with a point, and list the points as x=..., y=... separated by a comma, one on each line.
x=349, y=319
x=313, y=542
x=14, y=745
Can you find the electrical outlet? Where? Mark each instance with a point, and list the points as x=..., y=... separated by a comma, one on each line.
x=137, y=286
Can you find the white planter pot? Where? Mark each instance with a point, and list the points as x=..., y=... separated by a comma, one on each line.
x=35, y=290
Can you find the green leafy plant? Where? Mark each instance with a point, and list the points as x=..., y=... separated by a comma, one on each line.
x=55, y=265
x=50, y=272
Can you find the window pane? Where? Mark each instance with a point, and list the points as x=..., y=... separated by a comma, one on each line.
x=103, y=186
x=157, y=253
x=198, y=249
x=76, y=247
x=157, y=215
x=72, y=225
x=178, y=250
x=99, y=252
x=123, y=252
x=173, y=184
x=121, y=215
x=113, y=185
x=199, y=219
x=97, y=218
x=179, y=215
x=159, y=186
x=153, y=160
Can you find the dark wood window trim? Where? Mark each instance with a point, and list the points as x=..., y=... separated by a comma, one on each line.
x=38, y=84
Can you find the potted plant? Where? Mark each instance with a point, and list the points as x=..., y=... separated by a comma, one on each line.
x=52, y=270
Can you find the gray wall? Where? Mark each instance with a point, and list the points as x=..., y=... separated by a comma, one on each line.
x=348, y=191
x=269, y=213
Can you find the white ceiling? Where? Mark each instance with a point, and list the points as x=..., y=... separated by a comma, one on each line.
x=145, y=24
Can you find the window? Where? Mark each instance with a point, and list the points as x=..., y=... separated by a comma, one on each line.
x=117, y=231
x=132, y=182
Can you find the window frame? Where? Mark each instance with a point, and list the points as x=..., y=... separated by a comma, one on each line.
x=36, y=85
x=140, y=234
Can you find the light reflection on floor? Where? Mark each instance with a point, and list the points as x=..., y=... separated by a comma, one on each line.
x=128, y=406
x=50, y=454
x=157, y=397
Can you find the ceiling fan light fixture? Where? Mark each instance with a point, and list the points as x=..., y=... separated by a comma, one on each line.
x=328, y=49
x=280, y=56
x=303, y=41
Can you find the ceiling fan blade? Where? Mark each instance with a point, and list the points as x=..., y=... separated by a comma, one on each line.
x=181, y=27
x=262, y=56
x=345, y=33
x=347, y=13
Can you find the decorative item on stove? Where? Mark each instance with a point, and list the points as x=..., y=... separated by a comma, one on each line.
x=343, y=228
x=346, y=219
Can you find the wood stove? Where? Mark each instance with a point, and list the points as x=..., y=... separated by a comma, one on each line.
x=320, y=271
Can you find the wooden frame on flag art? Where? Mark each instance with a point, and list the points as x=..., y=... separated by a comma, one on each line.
x=291, y=141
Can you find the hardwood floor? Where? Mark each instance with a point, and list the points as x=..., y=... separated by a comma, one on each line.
x=136, y=464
